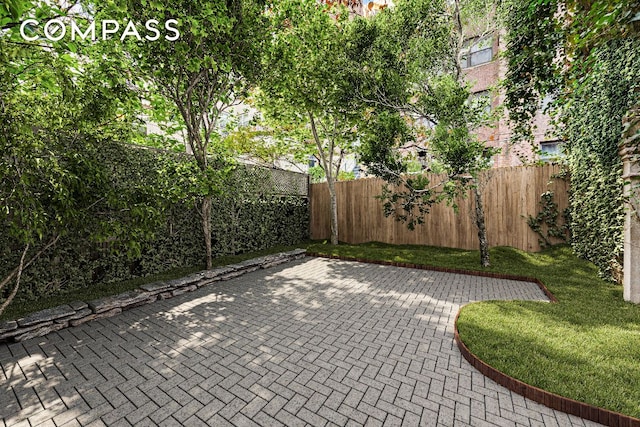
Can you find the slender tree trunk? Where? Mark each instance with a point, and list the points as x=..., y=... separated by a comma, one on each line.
x=327, y=165
x=482, y=228
x=11, y=296
x=17, y=272
x=334, y=210
x=206, y=229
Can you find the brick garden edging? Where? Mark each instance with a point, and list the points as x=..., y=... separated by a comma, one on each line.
x=551, y=400
x=79, y=312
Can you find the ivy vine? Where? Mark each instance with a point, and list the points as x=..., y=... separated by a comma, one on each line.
x=546, y=223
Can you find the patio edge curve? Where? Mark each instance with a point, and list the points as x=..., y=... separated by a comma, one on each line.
x=551, y=400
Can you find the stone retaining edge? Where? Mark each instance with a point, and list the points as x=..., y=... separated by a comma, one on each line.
x=78, y=312
x=551, y=400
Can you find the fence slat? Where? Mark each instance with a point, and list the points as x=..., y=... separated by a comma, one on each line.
x=510, y=195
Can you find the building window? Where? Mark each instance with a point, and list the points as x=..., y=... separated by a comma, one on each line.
x=551, y=150
x=476, y=51
x=313, y=161
x=481, y=99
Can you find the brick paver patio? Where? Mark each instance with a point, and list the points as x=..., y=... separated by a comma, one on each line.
x=314, y=342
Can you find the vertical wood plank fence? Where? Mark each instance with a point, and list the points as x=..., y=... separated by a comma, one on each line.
x=510, y=195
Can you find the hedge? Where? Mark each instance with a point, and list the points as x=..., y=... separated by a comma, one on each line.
x=247, y=216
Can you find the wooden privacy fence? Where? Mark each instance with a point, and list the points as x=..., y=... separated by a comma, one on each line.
x=510, y=195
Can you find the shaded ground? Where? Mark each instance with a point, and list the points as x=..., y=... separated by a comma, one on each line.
x=314, y=342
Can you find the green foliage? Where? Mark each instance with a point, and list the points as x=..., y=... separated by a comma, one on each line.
x=533, y=42
x=346, y=176
x=203, y=72
x=59, y=101
x=304, y=88
x=594, y=87
x=384, y=134
x=411, y=68
x=23, y=307
x=404, y=67
x=316, y=174
x=593, y=126
x=305, y=85
x=545, y=224
x=246, y=216
x=304, y=66
x=395, y=55
x=84, y=203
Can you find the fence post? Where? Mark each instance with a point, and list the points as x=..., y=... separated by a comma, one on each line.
x=630, y=154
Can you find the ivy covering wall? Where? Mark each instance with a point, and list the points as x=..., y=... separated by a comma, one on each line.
x=593, y=126
x=248, y=214
x=585, y=55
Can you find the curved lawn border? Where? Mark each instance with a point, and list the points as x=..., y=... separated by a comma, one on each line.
x=552, y=400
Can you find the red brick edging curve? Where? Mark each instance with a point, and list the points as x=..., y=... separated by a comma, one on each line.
x=552, y=400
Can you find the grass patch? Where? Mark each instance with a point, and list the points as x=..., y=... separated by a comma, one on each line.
x=585, y=347
x=20, y=308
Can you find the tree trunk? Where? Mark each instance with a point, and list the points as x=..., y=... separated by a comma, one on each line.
x=327, y=165
x=18, y=277
x=206, y=228
x=334, y=210
x=17, y=272
x=482, y=229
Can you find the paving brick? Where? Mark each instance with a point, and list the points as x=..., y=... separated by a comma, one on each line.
x=117, y=413
x=315, y=402
x=373, y=422
x=253, y=407
x=187, y=411
x=194, y=421
x=232, y=408
x=222, y=394
x=41, y=417
x=165, y=412
x=210, y=409
x=142, y=412
x=218, y=421
x=265, y=420
x=274, y=405
x=411, y=419
x=390, y=408
x=354, y=398
x=353, y=414
x=313, y=342
x=295, y=403
x=95, y=413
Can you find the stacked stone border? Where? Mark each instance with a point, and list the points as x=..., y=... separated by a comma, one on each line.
x=552, y=400
x=76, y=313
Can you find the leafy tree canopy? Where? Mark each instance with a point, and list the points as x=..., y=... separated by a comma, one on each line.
x=406, y=68
x=59, y=101
x=306, y=85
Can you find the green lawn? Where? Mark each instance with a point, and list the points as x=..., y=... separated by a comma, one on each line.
x=586, y=346
x=20, y=308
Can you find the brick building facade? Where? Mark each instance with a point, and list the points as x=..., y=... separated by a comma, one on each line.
x=484, y=70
